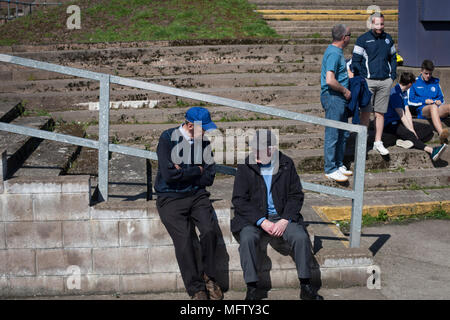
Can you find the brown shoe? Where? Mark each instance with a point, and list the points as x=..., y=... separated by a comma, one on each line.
x=444, y=136
x=200, y=295
x=214, y=291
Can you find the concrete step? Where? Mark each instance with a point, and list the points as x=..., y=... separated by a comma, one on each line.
x=409, y=179
x=311, y=160
x=176, y=114
x=324, y=4
x=53, y=101
x=126, y=131
x=178, y=81
x=298, y=63
x=10, y=109
x=354, y=25
x=19, y=147
x=52, y=158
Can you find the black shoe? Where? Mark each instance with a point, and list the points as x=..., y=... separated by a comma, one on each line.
x=308, y=293
x=251, y=293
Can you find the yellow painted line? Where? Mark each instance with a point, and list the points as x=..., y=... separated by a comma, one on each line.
x=344, y=213
x=336, y=231
x=315, y=17
x=385, y=12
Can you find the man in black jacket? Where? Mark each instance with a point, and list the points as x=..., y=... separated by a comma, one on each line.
x=185, y=167
x=267, y=198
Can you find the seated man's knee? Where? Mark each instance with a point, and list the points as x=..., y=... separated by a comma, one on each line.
x=248, y=237
x=300, y=237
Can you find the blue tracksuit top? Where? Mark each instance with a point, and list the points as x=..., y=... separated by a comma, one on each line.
x=422, y=90
x=375, y=57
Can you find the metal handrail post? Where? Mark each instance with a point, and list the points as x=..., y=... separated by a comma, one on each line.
x=103, y=138
x=358, y=187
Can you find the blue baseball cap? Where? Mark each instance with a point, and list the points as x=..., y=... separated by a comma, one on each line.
x=196, y=114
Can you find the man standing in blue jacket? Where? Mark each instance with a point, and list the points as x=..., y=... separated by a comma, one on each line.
x=375, y=58
x=185, y=168
x=426, y=97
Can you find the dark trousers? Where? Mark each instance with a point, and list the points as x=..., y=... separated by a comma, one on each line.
x=179, y=216
x=424, y=132
x=296, y=237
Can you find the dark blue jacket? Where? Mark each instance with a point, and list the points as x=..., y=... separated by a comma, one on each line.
x=375, y=57
x=180, y=183
x=360, y=97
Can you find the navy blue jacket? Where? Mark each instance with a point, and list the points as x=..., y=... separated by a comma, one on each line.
x=375, y=57
x=361, y=96
x=180, y=183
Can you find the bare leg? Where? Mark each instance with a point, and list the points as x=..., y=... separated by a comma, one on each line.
x=432, y=111
x=379, y=125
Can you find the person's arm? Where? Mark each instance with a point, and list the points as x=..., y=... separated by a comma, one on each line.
x=358, y=57
x=208, y=174
x=171, y=172
x=407, y=122
x=393, y=61
x=241, y=198
x=336, y=86
x=439, y=96
x=414, y=99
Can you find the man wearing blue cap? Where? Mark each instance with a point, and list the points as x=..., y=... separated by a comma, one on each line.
x=185, y=168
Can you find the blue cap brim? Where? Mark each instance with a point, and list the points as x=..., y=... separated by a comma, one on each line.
x=209, y=126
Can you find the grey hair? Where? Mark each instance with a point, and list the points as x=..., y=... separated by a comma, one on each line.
x=338, y=32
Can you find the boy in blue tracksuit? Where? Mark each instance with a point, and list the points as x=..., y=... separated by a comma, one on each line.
x=426, y=97
x=375, y=59
x=398, y=121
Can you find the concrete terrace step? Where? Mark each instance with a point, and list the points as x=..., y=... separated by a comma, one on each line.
x=176, y=114
x=126, y=131
x=185, y=81
x=19, y=147
x=299, y=64
x=392, y=180
x=51, y=158
x=287, y=50
x=259, y=95
x=311, y=160
x=324, y=4
x=9, y=109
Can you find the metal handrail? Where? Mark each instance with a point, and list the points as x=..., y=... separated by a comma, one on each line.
x=104, y=147
x=29, y=4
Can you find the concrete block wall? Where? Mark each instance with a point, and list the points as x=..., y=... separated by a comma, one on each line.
x=52, y=242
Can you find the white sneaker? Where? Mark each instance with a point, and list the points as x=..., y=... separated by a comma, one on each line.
x=378, y=146
x=336, y=176
x=406, y=144
x=345, y=172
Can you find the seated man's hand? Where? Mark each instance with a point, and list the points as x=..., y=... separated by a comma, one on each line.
x=279, y=227
x=429, y=101
x=268, y=226
x=438, y=102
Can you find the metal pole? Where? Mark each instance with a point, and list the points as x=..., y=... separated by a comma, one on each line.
x=103, y=150
x=358, y=188
x=149, y=180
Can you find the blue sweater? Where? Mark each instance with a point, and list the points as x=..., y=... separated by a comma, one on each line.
x=422, y=90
